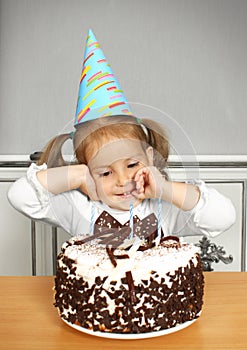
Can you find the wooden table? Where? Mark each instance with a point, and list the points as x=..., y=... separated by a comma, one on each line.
x=28, y=319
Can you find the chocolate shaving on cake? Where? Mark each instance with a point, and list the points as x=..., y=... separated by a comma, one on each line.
x=107, y=222
x=147, y=228
x=164, y=242
x=123, y=256
x=117, y=237
x=170, y=238
x=150, y=245
x=95, y=236
x=113, y=257
x=131, y=286
x=110, y=251
x=111, y=232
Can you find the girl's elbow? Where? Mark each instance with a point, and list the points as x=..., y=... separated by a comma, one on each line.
x=13, y=197
x=224, y=219
x=20, y=196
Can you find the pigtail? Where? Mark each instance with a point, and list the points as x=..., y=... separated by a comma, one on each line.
x=158, y=139
x=52, y=154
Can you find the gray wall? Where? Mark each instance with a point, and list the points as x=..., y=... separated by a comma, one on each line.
x=180, y=62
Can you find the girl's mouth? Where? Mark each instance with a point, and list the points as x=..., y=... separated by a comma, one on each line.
x=126, y=191
x=125, y=195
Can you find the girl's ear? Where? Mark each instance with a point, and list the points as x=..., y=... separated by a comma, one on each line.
x=150, y=155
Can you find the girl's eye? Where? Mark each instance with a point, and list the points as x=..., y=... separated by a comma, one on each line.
x=105, y=173
x=133, y=165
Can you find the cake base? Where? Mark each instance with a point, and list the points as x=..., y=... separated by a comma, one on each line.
x=131, y=336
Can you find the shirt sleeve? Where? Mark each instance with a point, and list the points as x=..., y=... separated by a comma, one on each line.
x=30, y=198
x=213, y=214
x=70, y=210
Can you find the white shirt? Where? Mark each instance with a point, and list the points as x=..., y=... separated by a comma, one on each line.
x=75, y=213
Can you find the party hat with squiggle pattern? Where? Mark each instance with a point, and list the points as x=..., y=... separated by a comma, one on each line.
x=99, y=92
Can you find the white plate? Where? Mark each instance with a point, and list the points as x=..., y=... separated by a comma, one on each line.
x=128, y=336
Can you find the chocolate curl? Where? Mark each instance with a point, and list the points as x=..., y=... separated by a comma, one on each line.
x=170, y=238
x=176, y=240
x=131, y=287
x=116, y=237
x=111, y=233
x=123, y=256
x=95, y=236
x=111, y=255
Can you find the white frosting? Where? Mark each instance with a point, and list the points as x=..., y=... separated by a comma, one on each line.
x=91, y=260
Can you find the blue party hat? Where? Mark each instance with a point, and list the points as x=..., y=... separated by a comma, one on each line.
x=99, y=92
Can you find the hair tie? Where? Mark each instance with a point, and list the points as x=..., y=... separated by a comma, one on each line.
x=145, y=130
x=71, y=135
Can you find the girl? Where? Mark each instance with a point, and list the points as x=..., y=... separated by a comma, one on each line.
x=121, y=161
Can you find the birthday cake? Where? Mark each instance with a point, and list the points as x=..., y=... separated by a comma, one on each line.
x=130, y=285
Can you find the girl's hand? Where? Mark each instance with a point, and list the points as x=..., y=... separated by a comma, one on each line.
x=88, y=185
x=149, y=183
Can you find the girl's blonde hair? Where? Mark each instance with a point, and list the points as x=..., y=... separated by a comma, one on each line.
x=89, y=135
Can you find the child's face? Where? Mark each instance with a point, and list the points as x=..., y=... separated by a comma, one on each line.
x=113, y=168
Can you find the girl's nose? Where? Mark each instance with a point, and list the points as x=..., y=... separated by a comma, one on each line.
x=122, y=179
x=125, y=181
